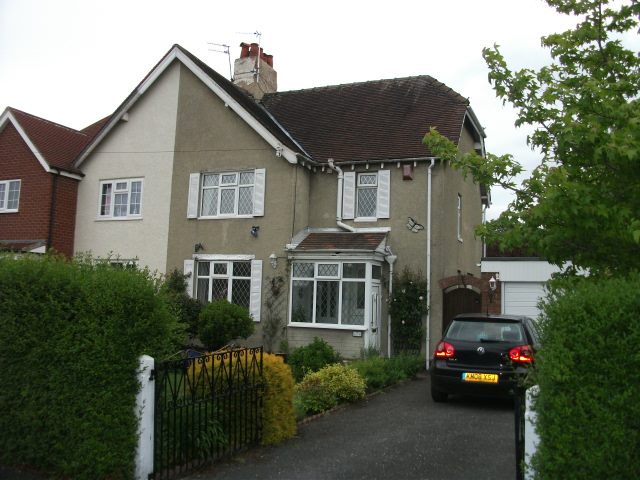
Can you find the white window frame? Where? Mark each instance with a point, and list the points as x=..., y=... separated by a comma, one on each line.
x=114, y=182
x=255, y=278
x=367, y=280
x=352, y=184
x=4, y=196
x=235, y=186
x=459, y=218
x=366, y=186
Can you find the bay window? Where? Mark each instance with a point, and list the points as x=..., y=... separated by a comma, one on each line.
x=329, y=293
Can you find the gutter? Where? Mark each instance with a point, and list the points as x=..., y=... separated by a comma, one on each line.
x=428, y=339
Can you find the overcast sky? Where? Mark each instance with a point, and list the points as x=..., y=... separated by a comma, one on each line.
x=73, y=62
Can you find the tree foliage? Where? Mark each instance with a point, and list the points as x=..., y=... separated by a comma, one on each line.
x=581, y=204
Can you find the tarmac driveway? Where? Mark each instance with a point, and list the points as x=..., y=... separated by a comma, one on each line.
x=397, y=434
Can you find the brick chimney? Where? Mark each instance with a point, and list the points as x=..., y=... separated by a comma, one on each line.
x=253, y=71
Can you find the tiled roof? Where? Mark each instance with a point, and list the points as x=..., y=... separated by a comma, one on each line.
x=341, y=241
x=377, y=120
x=59, y=145
x=21, y=245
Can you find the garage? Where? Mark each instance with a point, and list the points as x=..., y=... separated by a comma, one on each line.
x=521, y=298
x=520, y=282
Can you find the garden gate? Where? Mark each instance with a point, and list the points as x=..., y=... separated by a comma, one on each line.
x=206, y=408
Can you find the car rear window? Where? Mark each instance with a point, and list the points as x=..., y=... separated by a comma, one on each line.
x=476, y=331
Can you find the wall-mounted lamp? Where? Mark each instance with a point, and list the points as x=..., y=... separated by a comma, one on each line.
x=254, y=231
x=493, y=285
x=197, y=247
x=273, y=260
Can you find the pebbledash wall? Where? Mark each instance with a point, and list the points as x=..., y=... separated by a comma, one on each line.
x=32, y=220
x=142, y=147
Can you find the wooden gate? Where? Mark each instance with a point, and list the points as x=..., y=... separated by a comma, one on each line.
x=459, y=300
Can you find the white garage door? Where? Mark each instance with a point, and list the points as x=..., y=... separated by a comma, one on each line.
x=521, y=298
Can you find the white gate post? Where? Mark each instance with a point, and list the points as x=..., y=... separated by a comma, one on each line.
x=145, y=406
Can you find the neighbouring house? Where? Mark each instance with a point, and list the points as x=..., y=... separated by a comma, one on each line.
x=327, y=191
x=38, y=182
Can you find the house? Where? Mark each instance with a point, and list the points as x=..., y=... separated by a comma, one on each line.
x=38, y=182
x=327, y=191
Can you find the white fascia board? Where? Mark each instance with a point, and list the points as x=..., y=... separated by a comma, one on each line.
x=7, y=116
x=286, y=152
x=520, y=270
x=342, y=257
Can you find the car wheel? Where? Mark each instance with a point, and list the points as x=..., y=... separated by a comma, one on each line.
x=438, y=396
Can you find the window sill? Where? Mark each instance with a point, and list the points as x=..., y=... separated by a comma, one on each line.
x=117, y=219
x=328, y=326
x=365, y=219
x=8, y=211
x=224, y=217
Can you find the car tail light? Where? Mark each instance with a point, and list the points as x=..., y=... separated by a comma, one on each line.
x=521, y=354
x=444, y=350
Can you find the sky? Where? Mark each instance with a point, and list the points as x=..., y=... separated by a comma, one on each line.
x=74, y=62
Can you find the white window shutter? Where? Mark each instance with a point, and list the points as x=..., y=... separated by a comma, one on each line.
x=255, y=301
x=258, y=192
x=348, y=195
x=384, y=193
x=188, y=270
x=194, y=190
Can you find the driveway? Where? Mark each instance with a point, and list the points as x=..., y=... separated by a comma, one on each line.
x=397, y=434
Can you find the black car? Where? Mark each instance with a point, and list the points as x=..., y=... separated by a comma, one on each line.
x=483, y=355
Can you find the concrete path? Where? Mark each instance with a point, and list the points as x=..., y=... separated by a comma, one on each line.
x=398, y=434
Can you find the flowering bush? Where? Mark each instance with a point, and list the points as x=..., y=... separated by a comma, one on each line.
x=407, y=306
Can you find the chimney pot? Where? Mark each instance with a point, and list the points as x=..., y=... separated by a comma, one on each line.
x=245, y=50
x=254, y=50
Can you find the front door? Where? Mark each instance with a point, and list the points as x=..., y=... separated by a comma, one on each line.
x=375, y=320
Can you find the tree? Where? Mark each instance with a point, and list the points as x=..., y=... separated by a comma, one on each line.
x=582, y=203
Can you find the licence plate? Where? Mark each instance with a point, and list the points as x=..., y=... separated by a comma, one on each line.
x=480, y=377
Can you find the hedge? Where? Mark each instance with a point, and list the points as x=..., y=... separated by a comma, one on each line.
x=588, y=371
x=70, y=338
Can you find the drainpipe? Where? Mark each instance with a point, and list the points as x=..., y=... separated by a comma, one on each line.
x=391, y=259
x=52, y=208
x=338, y=170
x=428, y=340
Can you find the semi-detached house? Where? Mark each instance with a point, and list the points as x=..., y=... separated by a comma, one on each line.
x=328, y=191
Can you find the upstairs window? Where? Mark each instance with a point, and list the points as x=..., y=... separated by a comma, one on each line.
x=226, y=194
x=121, y=199
x=9, y=195
x=366, y=195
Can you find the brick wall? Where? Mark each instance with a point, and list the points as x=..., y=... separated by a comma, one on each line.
x=31, y=222
x=491, y=304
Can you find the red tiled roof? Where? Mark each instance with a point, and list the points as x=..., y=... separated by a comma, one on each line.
x=341, y=241
x=368, y=121
x=59, y=145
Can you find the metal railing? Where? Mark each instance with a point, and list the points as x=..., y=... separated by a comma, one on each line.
x=206, y=408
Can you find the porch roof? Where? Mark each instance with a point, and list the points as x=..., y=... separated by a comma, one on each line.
x=342, y=242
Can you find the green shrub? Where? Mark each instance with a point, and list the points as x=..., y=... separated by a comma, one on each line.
x=70, y=338
x=311, y=358
x=329, y=386
x=279, y=419
x=381, y=372
x=587, y=371
x=407, y=307
x=314, y=396
x=221, y=321
x=185, y=307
